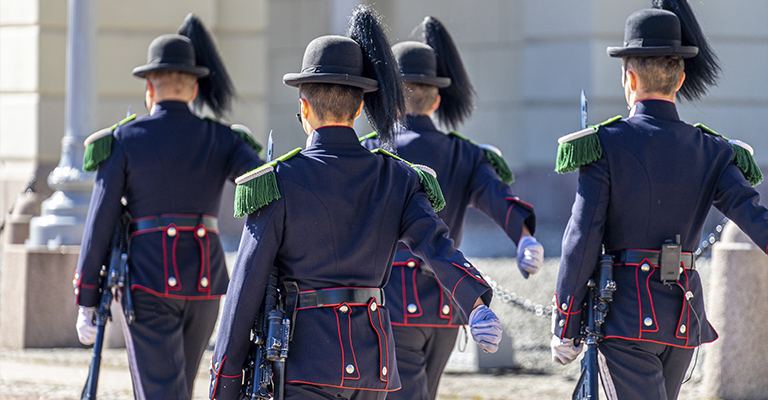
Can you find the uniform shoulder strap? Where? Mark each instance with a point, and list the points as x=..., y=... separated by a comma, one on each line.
x=372, y=135
x=245, y=134
x=98, y=146
x=580, y=148
x=427, y=178
x=257, y=188
x=743, y=156
x=493, y=155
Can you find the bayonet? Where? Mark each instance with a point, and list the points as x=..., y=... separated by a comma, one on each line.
x=583, y=110
x=270, y=147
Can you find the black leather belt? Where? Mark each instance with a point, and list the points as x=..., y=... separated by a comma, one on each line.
x=636, y=257
x=153, y=224
x=336, y=296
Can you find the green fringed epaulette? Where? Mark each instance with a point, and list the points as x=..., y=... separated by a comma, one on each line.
x=743, y=157
x=98, y=146
x=257, y=188
x=427, y=178
x=580, y=148
x=371, y=135
x=493, y=155
x=245, y=133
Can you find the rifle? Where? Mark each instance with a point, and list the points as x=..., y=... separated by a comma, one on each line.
x=112, y=280
x=597, y=308
x=269, y=348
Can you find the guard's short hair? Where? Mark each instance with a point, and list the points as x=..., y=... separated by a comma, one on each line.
x=332, y=102
x=172, y=82
x=419, y=98
x=658, y=74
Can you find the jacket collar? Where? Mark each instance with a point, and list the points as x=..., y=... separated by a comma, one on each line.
x=170, y=105
x=419, y=123
x=661, y=109
x=332, y=135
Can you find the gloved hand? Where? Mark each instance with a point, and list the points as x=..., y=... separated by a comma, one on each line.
x=530, y=255
x=563, y=350
x=86, y=328
x=485, y=328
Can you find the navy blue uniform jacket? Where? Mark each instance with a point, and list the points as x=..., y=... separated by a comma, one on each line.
x=170, y=162
x=467, y=178
x=657, y=178
x=341, y=213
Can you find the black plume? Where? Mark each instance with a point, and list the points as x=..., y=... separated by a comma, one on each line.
x=215, y=90
x=701, y=71
x=457, y=100
x=386, y=106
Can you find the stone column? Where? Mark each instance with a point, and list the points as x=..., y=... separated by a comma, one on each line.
x=736, y=363
x=63, y=214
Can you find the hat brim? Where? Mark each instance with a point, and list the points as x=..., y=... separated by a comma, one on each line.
x=142, y=71
x=653, y=51
x=440, y=81
x=367, y=84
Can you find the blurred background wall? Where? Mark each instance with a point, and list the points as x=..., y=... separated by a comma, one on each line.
x=528, y=60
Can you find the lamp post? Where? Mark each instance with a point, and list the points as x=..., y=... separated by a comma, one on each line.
x=62, y=218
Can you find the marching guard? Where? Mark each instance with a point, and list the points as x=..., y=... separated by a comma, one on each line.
x=645, y=186
x=170, y=167
x=329, y=217
x=424, y=318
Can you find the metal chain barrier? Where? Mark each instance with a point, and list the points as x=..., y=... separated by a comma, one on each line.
x=515, y=300
x=543, y=311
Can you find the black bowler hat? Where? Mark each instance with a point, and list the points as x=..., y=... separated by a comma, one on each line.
x=171, y=53
x=653, y=32
x=332, y=59
x=418, y=63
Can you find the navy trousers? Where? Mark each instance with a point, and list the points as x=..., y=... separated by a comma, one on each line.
x=633, y=369
x=314, y=392
x=422, y=353
x=166, y=343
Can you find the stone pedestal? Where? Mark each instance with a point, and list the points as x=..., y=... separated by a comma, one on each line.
x=736, y=364
x=37, y=304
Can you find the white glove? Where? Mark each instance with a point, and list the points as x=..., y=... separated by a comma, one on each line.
x=563, y=350
x=86, y=329
x=530, y=255
x=485, y=328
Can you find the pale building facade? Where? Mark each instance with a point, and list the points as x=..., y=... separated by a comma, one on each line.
x=528, y=60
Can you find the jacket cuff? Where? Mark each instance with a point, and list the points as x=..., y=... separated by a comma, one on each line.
x=566, y=319
x=519, y=214
x=224, y=387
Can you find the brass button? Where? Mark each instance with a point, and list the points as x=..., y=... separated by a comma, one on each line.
x=77, y=291
x=681, y=270
x=682, y=328
x=446, y=309
x=648, y=321
x=77, y=275
x=171, y=231
x=373, y=306
x=172, y=282
x=411, y=264
x=350, y=368
x=201, y=232
x=561, y=323
x=564, y=306
x=384, y=371
x=344, y=309
x=412, y=308
x=74, y=283
x=688, y=295
x=645, y=267
x=204, y=282
x=467, y=264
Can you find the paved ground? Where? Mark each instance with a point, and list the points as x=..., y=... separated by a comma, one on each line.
x=524, y=370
